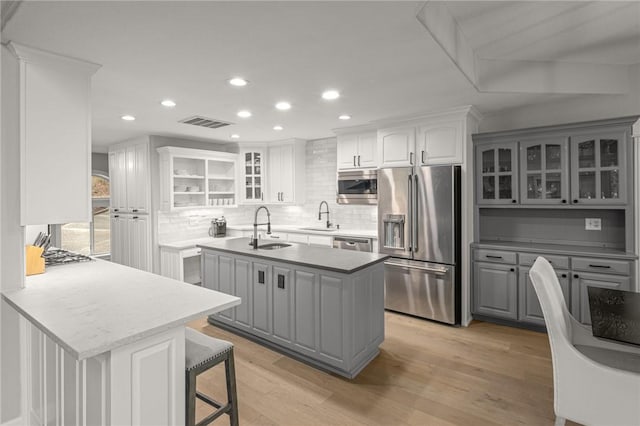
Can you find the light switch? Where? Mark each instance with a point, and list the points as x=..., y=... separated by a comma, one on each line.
x=593, y=224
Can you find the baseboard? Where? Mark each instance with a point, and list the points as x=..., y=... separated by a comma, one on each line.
x=14, y=422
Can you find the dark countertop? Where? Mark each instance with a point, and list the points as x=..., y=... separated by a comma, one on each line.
x=336, y=260
x=559, y=249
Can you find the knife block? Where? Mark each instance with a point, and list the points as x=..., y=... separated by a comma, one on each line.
x=34, y=260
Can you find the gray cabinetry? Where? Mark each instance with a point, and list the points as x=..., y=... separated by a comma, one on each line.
x=497, y=174
x=544, y=169
x=495, y=290
x=598, y=168
x=281, y=300
x=243, y=291
x=529, y=309
x=305, y=311
x=261, y=298
x=579, y=283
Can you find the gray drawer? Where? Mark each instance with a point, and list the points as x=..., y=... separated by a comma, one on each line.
x=558, y=262
x=601, y=266
x=497, y=256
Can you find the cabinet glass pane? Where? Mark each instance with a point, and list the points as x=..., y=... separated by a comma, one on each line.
x=504, y=183
x=608, y=152
x=554, y=185
x=249, y=193
x=587, y=154
x=534, y=186
x=534, y=158
x=553, y=157
x=247, y=181
x=488, y=187
x=256, y=163
x=504, y=161
x=257, y=180
x=247, y=157
x=488, y=161
x=247, y=170
x=609, y=184
x=587, y=184
x=258, y=193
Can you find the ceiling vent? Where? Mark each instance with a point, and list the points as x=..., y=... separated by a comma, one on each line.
x=197, y=120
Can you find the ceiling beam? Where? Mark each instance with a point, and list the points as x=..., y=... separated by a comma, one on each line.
x=518, y=76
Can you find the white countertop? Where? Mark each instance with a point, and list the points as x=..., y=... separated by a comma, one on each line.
x=342, y=232
x=185, y=244
x=93, y=307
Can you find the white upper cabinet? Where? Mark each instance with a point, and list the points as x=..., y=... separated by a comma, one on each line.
x=130, y=181
x=55, y=136
x=357, y=151
x=396, y=147
x=286, y=172
x=252, y=175
x=440, y=143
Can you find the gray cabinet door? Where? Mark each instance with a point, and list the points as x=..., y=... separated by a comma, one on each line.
x=580, y=297
x=305, y=314
x=331, y=319
x=281, y=299
x=529, y=309
x=261, y=295
x=495, y=290
x=497, y=174
x=226, y=285
x=243, y=291
x=599, y=168
x=209, y=267
x=544, y=170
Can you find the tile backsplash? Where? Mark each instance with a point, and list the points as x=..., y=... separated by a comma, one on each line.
x=320, y=185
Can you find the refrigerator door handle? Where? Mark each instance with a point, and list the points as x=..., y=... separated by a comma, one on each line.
x=410, y=211
x=435, y=271
x=414, y=214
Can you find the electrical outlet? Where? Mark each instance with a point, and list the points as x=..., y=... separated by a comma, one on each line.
x=593, y=224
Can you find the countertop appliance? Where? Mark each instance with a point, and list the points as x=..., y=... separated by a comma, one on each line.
x=218, y=227
x=358, y=187
x=419, y=226
x=351, y=243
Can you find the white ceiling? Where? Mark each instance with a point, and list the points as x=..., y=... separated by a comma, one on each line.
x=377, y=54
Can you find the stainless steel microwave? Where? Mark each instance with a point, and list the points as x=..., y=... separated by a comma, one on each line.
x=358, y=187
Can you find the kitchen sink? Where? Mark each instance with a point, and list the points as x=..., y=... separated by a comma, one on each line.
x=273, y=246
x=320, y=229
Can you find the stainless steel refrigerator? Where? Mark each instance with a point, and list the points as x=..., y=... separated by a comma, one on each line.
x=419, y=226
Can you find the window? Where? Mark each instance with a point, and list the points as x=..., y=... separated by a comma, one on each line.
x=91, y=238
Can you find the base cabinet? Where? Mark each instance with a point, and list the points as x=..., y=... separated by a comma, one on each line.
x=579, y=283
x=334, y=321
x=529, y=309
x=131, y=241
x=496, y=290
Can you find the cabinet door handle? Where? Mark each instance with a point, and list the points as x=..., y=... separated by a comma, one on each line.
x=358, y=160
x=493, y=257
x=564, y=201
x=411, y=158
x=600, y=266
x=262, y=196
x=134, y=211
x=116, y=216
x=280, y=281
x=576, y=276
x=512, y=269
x=135, y=217
x=564, y=275
x=260, y=277
x=354, y=161
x=116, y=210
x=514, y=201
x=422, y=156
x=575, y=201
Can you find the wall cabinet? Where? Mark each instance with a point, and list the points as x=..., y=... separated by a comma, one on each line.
x=194, y=178
x=396, y=147
x=253, y=172
x=130, y=179
x=544, y=174
x=357, y=151
x=497, y=174
x=286, y=172
x=440, y=142
x=131, y=240
x=53, y=98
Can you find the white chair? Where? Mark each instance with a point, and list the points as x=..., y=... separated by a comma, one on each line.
x=595, y=382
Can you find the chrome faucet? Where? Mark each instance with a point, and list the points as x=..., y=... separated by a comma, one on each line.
x=320, y=212
x=254, y=240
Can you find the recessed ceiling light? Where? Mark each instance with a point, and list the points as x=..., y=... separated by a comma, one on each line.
x=128, y=117
x=330, y=95
x=238, y=81
x=278, y=128
x=244, y=114
x=345, y=117
x=283, y=106
x=168, y=103
x=235, y=136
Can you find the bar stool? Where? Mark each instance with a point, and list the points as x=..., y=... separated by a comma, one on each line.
x=202, y=353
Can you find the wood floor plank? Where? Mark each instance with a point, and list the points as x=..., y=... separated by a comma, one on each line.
x=426, y=374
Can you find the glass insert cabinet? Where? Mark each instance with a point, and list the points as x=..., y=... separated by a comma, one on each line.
x=252, y=165
x=497, y=173
x=598, y=171
x=544, y=170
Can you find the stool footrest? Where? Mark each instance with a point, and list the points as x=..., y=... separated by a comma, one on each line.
x=209, y=400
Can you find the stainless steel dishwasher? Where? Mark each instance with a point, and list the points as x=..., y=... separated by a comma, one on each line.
x=352, y=243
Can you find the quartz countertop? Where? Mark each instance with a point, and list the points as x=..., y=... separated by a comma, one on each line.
x=316, y=230
x=559, y=249
x=192, y=243
x=93, y=307
x=342, y=261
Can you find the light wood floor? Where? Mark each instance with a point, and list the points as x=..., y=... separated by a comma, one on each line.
x=426, y=374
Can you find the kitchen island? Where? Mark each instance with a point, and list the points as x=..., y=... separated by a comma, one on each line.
x=105, y=343
x=319, y=305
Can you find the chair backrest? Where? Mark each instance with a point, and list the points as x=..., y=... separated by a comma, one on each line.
x=556, y=315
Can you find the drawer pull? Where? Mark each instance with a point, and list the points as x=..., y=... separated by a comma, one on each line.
x=576, y=276
x=564, y=275
x=512, y=269
x=600, y=266
x=493, y=257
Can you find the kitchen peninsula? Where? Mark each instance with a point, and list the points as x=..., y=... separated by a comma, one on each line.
x=105, y=343
x=320, y=305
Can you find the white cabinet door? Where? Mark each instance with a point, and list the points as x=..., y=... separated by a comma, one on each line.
x=137, y=159
x=274, y=171
x=396, y=147
x=139, y=235
x=119, y=240
x=287, y=166
x=118, y=180
x=367, y=150
x=347, y=152
x=440, y=143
